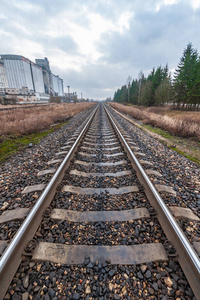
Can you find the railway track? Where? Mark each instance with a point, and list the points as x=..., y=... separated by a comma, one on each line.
x=100, y=229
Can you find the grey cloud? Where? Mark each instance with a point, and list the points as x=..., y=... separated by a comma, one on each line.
x=154, y=38
x=66, y=44
x=93, y=80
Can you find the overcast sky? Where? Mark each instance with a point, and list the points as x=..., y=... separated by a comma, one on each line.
x=94, y=45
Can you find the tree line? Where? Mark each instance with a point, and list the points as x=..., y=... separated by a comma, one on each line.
x=159, y=88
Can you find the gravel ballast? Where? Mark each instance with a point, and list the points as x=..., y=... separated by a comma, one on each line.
x=95, y=280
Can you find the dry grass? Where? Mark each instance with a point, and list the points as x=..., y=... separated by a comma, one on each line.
x=10, y=106
x=20, y=121
x=182, y=123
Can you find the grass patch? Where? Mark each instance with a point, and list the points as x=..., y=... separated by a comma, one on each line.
x=190, y=157
x=12, y=143
x=168, y=136
x=159, y=131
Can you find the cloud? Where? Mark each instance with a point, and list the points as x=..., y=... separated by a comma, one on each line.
x=95, y=80
x=65, y=43
x=25, y=6
x=154, y=38
x=95, y=45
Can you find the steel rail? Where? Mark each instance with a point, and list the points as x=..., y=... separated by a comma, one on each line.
x=186, y=256
x=12, y=256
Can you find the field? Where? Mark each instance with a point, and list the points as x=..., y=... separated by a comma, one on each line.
x=20, y=127
x=178, y=130
x=177, y=122
x=23, y=121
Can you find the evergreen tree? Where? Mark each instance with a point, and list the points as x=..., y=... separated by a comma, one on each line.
x=164, y=92
x=121, y=95
x=134, y=92
x=146, y=93
x=158, y=89
x=186, y=79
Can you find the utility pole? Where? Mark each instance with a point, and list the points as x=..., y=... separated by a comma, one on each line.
x=81, y=96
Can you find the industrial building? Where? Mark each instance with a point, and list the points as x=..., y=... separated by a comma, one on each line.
x=38, y=80
x=34, y=81
x=56, y=85
x=53, y=83
x=3, y=78
x=18, y=71
x=44, y=64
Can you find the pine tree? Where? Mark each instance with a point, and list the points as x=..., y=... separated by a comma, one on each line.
x=134, y=92
x=164, y=92
x=186, y=80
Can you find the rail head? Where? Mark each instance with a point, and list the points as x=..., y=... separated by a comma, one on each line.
x=187, y=257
